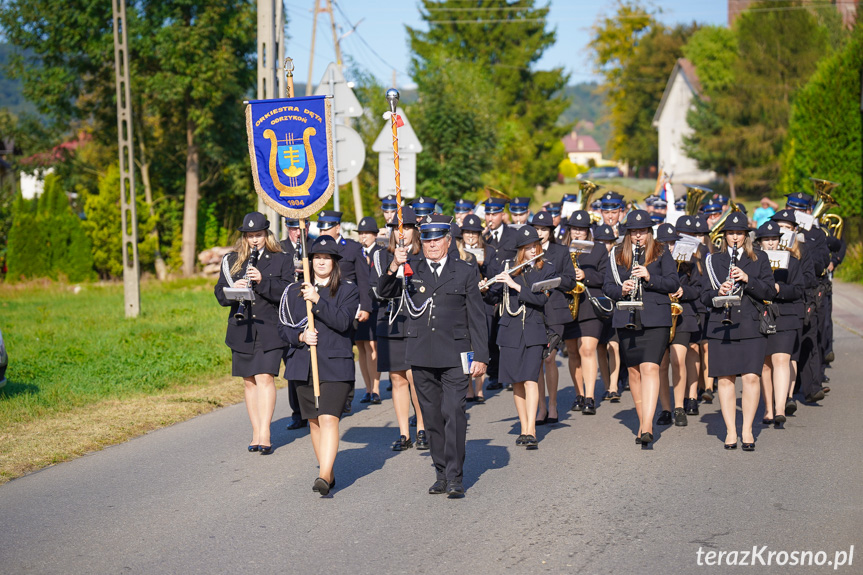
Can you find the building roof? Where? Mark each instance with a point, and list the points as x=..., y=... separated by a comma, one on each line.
x=690, y=76
x=575, y=144
x=58, y=153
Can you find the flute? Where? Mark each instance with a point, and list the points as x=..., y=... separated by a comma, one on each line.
x=490, y=281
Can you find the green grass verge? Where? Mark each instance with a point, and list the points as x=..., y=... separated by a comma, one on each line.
x=69, y=350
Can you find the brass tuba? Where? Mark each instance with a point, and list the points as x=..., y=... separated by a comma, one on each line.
x=587, y=190
x=716, y=231
x=833, y=223
x=694, y=197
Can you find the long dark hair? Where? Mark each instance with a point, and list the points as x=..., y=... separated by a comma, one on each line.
x=415, y=247
x=335, y=275
x=652, y=252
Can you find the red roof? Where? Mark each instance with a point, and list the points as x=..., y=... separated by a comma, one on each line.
x=575, y=144
x=59, y=153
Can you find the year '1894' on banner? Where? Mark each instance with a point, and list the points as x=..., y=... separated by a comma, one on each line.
x=291, y=151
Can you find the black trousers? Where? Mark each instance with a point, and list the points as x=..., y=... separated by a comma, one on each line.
x=809, y=371
x=493, y=349
x=441, y=393
x=294, y=401
x=825, y=325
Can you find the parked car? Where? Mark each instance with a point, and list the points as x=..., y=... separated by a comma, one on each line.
x=4, y=361
x=600, y=173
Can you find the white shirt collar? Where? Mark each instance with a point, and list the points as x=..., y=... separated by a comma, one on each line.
x=442, y=263
x=545, y=246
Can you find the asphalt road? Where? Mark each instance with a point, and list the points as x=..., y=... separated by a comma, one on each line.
x=191, y=499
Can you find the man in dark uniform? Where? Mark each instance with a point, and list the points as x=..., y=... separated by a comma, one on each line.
x=292, y=246
x=519, y=210
x=502, y=238
x=446, y=321
x=353, y=267
x=611, y=206
x=837, y=248
x=462, y=208
x=423, y=206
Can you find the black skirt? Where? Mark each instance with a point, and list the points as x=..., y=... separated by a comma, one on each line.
x=587, y=328
x=783, y=342
x=736, y=357
x=391, y=354
x=686, y=337
x=645, y=345
x=609, y=334
x=795, y=355
x=520, y=364
x=257, y=362
x=366, y=330
x=334, y=394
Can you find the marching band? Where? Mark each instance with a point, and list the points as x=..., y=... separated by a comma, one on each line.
x=452, y=306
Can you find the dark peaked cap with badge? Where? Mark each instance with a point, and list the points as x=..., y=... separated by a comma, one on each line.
x=254, y=222
x=368, y=224
x=736, y=222
x=434, y=226
x=579, y=219
x=638, y=220
x=328, y=219
x=526, y=236
x=799, y=201
x=768, y=229
x=326, y=245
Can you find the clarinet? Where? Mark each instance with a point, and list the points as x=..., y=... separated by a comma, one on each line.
x=633, y=295
x=726, y=320
x=241, y=313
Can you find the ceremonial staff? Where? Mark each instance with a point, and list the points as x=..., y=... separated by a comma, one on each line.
x=291, y=152
x=393, y=101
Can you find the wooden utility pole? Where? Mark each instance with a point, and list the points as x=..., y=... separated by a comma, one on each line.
x=128, y=213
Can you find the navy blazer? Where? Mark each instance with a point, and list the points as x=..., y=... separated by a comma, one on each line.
x=816, y=244
x=291, y=252
x=788, y=302
x=505, y=247
x=354, y=267
x=381, y=260
x=657, y=306
x=511, y=332
x=457, y=321
x=334, y=317
x=594, y=266
x=277, y=271
x=745, y=318
x=557, y=306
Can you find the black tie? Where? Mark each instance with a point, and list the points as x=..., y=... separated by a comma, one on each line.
x=435, y=266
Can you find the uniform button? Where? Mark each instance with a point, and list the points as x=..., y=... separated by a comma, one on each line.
x=433, y=317
x=432, y=329
x=254, y=316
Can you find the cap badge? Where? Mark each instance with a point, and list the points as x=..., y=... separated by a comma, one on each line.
x=526, y=233
x=251, y=223
x=697, y=224
x=638, y=217
x=578, y=217
x=323, y=242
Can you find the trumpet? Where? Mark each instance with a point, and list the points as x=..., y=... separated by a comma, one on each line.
x=241, y=313
x=486, y=283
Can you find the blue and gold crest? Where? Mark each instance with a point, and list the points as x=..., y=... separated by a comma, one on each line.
x=291, y=150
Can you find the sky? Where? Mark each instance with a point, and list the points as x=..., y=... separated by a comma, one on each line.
x=380, y=42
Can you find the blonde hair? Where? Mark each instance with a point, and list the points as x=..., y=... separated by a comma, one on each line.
x=747, y=247
x=241, y=246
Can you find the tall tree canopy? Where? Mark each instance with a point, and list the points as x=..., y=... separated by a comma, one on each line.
x=191, y=66
x=502, y=40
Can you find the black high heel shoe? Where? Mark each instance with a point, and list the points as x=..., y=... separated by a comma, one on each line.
x=253, y=448
x=778, y=421
x=731, y=445
x=646, y=438
x=748, y=446
x=265, y=449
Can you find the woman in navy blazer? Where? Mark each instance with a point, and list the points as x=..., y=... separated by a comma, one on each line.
x=649, y=280
x=790, y=308
x=582, y=334
x=521, y=332
x=737, y=347
x=556, y=312
x=256, y=348
x=334, y=305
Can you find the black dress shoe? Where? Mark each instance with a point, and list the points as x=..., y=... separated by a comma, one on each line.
x=438, y=487
x=578, y=404
x=412, y=421
x=646, y=439
x=790, y=406
x=348, y=407
x=422, y=441
x=366, y=398
x=494, y=384
x=680, y=417
x=731, y=445
x=470, y=399
x=265, y=449
x=707, y=396
x=815, y=397
x=520, y=439
x=779, y=420
x=690, y=406
x=542, y=421
x=767, y=421
x=322, y=486
x=479, y=399
x=589, y=406
x=829, y=357
x=530, y=442
x=402, y=443
x=550, y=420
x=748, y=446
x=254, y=447
x=376, y=399
x=454, y=489
x=297, y=424
x=638, y=440
x=664, y=418
x=614, y=397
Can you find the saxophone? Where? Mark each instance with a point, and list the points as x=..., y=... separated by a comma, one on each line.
x=575, y=293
